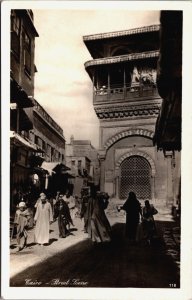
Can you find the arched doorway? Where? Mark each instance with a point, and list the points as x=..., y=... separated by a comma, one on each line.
x=135, y=175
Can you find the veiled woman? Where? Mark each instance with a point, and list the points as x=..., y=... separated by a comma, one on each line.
x=133, y=210
x=61, y=211
x=99, y=229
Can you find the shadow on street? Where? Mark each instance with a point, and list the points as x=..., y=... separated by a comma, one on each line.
x=51, y=241
x=116, y=264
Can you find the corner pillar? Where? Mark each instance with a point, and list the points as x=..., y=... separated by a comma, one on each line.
x=153, y=188
x=168, y=156
x=117, y=183
x=102, y=156
x=124, y=82
x=108, y=84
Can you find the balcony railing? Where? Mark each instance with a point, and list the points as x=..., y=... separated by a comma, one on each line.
x=117, y=92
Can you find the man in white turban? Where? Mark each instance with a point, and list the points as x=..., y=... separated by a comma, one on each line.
x=43, y=218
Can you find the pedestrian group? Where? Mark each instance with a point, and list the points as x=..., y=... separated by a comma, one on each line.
x=91, y=209
x=135, y=230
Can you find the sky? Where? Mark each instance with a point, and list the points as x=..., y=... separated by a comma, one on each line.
x=62, y=86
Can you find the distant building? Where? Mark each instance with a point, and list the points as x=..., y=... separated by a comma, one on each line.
x=49, y=138
x=82, y=159
x=127, y=103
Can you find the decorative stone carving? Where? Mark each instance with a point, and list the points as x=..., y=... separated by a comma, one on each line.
x=126, y=133
x=115, y=112
x=102, y=154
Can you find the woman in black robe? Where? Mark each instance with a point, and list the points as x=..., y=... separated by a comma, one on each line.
x=133, y=210
x=84, y=205
x=61, y=211
x=99, y=229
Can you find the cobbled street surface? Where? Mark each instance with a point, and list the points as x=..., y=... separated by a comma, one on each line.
x=75, y=262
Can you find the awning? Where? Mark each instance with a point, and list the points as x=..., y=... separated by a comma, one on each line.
x=35, y=160
x=19, y=96
x=40, y=171
x=54, y=167
x=69, y=175
x=18, y=140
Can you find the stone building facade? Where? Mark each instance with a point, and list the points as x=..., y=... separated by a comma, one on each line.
x=126, y=100
x=48, y=135
x=23, y=34
x=35, y=136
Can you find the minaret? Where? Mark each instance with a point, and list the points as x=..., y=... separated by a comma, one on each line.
x=127, y=104
x=72, y=139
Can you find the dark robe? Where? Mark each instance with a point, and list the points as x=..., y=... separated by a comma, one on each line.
x=149, y=222
x=133, y=209
x=61, y=211
x=99, y=229
x=84, y=212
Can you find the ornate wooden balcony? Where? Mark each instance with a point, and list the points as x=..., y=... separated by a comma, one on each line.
x=121, y=94
x=121, y=33
x=121, y=59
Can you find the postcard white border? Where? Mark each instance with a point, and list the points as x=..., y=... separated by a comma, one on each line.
x=185, y=292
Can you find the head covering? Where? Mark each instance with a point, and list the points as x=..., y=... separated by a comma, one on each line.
x=132, y=196
x=22, y=204
x=42, y=194
x=147, y=203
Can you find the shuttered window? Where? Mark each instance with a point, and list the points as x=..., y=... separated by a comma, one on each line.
x=15, y=32
x=27, y=53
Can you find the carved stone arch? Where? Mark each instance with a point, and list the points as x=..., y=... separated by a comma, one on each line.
x=130, y=132
x=137, y=153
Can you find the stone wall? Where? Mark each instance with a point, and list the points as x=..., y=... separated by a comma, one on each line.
x=110, y=129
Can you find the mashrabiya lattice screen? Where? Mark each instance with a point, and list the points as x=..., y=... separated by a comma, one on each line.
x=135, y=176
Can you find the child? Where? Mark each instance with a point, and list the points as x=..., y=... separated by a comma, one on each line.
x=21, y=220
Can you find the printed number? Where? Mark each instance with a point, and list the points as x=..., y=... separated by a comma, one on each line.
x=172, y=285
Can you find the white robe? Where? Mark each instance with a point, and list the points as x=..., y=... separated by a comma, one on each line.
x=43, y=217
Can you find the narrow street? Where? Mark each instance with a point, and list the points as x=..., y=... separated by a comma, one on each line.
x=75, y=261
